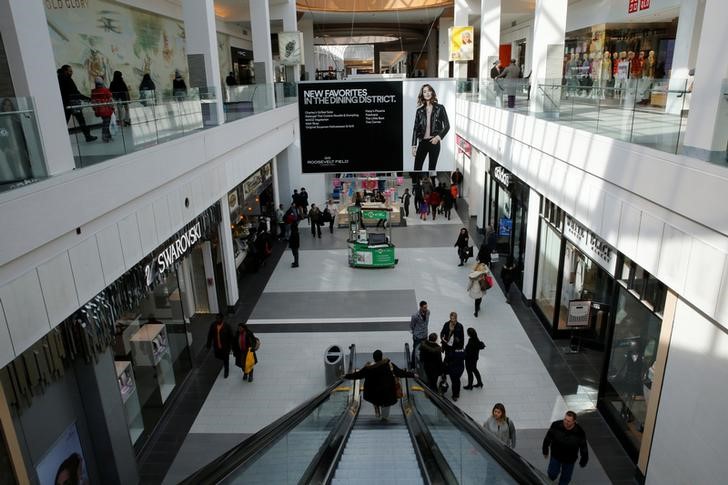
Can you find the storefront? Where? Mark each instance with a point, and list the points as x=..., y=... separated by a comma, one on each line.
x=252, y=207
x=627, y=382
x=118, y=359
x=574, y=279
x=506, y=211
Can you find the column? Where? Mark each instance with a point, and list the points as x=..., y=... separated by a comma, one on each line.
x=201, y=47
x=33, y=70
x=432, y=53
x=529, y=259
x=276, y=185
x=443, y=56
x=290, y=24
x=228, y=255
x=462, y=13
x=305, y=25
x=262, y=51
x=549, y=29
x=706, y=133
x=490, y=24
x=687, y=40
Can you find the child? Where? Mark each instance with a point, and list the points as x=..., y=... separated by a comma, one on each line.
x=103, y=108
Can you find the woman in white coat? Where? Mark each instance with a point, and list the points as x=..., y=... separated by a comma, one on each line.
x=477, y=284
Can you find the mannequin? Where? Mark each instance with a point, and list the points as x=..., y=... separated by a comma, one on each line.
x=621, y=76
x=606, y=73
x=648, y=77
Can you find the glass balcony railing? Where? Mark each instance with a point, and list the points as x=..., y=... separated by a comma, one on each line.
x=651, y=113
x=21, y=154
x=149, y=120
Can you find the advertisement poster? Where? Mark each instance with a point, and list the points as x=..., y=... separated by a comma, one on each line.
x=350, y=126
x=63, y=463
x=419, y=153
x=290, y=48
x=461, y=43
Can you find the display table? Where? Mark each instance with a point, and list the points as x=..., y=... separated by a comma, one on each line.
x=363, y=255
x=150, y=348
x=394, y=216
x=130, y=398
x=371, y=248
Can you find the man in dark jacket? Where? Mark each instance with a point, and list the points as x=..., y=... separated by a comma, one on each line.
x=431, y=359
x=294, y=242
x=220, y=337
x=71, y=96
x=566, y=439
x=379, y=383
x=315, y=219
x=418, y=327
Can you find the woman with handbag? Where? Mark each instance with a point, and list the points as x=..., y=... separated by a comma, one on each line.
x=381, y=383
x=479, y=281
x=245, y=346
x=463, y=245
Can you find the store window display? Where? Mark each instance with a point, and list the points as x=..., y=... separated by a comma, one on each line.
x=632, y=355
x=548, y=270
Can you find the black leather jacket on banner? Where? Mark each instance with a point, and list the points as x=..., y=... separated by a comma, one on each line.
x=439, y=124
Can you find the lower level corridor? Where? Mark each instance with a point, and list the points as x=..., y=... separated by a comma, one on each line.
x=304, y=310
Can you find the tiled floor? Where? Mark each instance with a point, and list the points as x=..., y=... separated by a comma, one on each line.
x=290, y=365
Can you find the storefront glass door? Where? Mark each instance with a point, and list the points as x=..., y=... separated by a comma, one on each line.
x=548, y=271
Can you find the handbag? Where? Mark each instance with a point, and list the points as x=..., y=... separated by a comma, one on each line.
x=113, y=126
x=249, y=362
x=397, y=384
x=470, y=251
x=489, y=281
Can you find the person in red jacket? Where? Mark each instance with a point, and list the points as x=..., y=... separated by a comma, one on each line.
x=434, y=200
x=102, y=101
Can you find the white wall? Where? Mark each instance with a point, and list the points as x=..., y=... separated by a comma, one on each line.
x=690, y=436
x=658, y=209
x=124, y=208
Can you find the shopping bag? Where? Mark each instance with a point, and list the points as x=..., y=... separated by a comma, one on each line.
x=113, y=127
x=249, y=362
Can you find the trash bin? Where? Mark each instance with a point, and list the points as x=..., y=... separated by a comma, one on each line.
x=333, y=364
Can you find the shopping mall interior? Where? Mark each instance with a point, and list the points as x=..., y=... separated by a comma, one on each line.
x=248, y=198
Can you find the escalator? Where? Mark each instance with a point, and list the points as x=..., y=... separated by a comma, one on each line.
x=333, y=439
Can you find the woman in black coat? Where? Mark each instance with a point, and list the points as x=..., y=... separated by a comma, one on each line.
x=380, y=387
x=462, y=244
x=245, y=341
x=452, y=339
x=294, y=242
x=472, y=352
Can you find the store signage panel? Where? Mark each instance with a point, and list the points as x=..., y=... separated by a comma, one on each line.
x=173, y=252
x=502, y=175
x=644, y=4
x=463, y=145
x=372, y=126
x=252, y=184
x=579, y=312
x=591, y=245
x=632, y=6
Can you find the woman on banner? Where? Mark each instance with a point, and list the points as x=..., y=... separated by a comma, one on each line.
x=431, y=126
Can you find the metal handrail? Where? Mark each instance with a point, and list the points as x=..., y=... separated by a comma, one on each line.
x=228, y=462
x=513, y=463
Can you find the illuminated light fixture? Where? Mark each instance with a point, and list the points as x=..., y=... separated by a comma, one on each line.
x=355, y=39
x=368, y=5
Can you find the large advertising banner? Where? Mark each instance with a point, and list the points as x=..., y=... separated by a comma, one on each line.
x=63, y=462
x=434, y=149
x=461, y=43
x=350, y=126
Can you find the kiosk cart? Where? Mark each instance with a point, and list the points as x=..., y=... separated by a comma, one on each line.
x=370, y=247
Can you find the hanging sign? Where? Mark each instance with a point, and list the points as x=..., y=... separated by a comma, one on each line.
x=644, y=4
x=591, y=245
x=173, y=252
x=632, y=6
x=502, y=175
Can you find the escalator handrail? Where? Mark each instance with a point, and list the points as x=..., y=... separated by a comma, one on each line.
x=513, y=463
x=323, y=466
x=236, y=457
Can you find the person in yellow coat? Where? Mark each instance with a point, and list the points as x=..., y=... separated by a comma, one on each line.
x=245, y=346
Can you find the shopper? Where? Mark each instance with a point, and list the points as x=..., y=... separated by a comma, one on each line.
x=220, y=337
x=508, y=272
x=380, y=383
x=419, y=196
x=179, y=87
x=566, y=439
x=434, y=201
x=102, y=101
x=120, y=92
x=501, y=426
x=463, y=245
x=245, y=342
x=281, y=222
x=478, y=285
x=230, y=79
x=454, y=193
x=431, y=360
x=405, y=198
x=423, y=209
x=457, y=179
x=447, y=203
x=304, y=201
x=314, y=218
x=452, y=338
x=418, y=327
x=294, y=242
x=472, y=353
x=146, y=89
x=71, y=99
x=511, y=75
x=331, y=209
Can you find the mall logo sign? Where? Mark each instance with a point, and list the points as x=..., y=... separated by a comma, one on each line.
x=172, y=253
x=502, y=175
